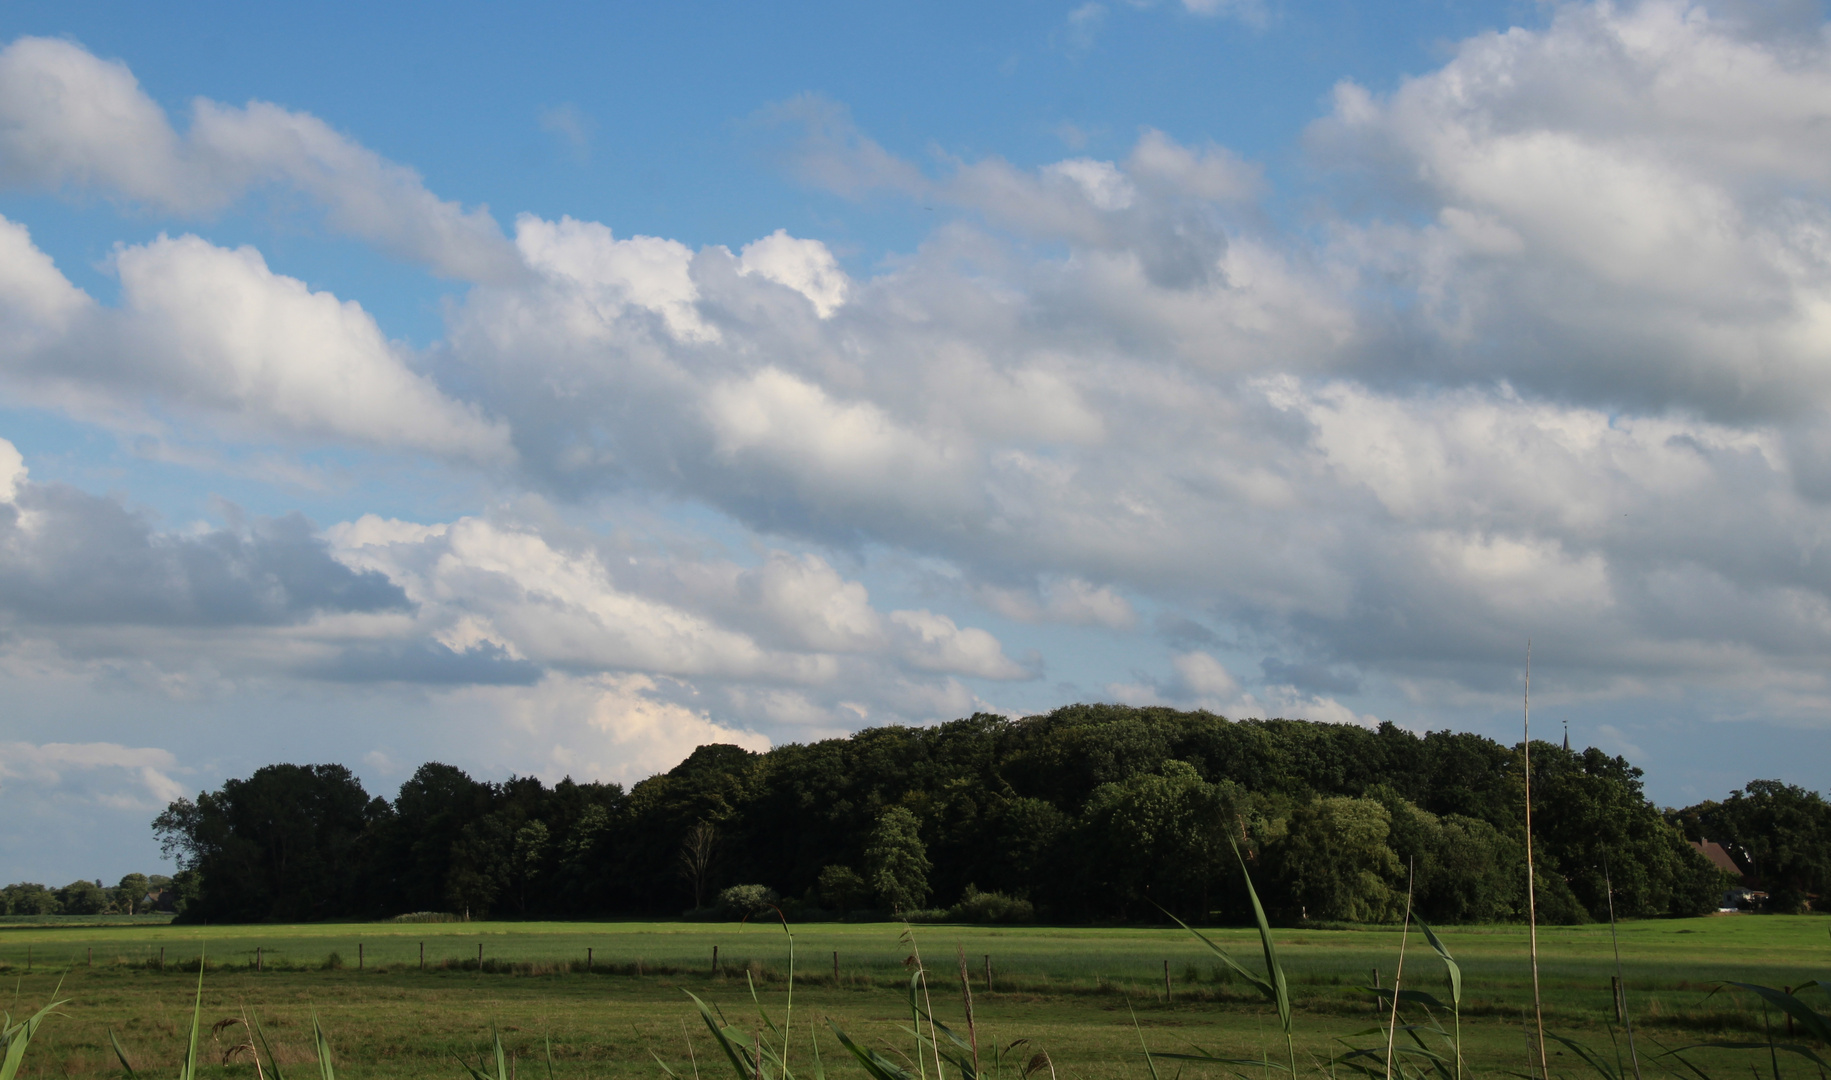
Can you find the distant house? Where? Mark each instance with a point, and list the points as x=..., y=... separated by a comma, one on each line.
x=1739, y=897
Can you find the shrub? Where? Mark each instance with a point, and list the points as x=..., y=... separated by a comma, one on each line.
x=428, y=916
x=745, y=901
x=842, y=889
x=991, y=907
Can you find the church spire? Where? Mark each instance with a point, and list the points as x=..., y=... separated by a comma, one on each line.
x=1567, y=734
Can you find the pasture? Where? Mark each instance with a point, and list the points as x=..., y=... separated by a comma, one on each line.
x=1070, y=991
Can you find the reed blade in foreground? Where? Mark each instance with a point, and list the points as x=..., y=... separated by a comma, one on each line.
x=18, y=1036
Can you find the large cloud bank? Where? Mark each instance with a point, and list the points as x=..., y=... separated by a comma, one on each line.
x=1554, y=365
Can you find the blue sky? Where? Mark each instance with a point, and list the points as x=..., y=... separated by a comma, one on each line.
x=553, y=390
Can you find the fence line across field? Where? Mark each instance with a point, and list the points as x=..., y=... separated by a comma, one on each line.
x=260, y=957
x=1011, y=958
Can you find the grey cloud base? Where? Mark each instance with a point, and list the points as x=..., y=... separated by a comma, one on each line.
x=68, y=558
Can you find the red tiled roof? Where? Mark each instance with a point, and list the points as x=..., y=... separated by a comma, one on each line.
x=1719, y=858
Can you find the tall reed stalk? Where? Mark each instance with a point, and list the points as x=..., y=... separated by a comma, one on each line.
x=1621, y=983
x=1532, y=912
x=966, y=995
x=1398, y=975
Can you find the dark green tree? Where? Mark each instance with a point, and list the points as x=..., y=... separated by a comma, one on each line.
x=1158, y=839
x=412, y=854
x=82, y=898
x=284, y=844
x=842, y=890
x=482, y=866
x=1779, y=833
x=29, y=898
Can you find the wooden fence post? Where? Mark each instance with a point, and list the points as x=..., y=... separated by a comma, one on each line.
x=587, y=960
x=161, y=957
x=715, y=959
x=359, y=956
x=422, y=956
x=988, y=973
x=479, y=956
x=1166, y=982
x=835, y=967
x=257, y=958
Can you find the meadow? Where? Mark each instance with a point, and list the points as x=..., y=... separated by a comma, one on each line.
x=1071, y=991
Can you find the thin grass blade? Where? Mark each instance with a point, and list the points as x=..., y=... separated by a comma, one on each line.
x=120, y=1054
x=1443, y=954
x=1252, y=979
x=1414, y=997
x=273, y=1063
x=735, y=1051
x=1815, y=1024
x=1792, y=1048
x=1590, y=1058
x=1274, y=971
x=189, y=1069
x=1210, y=1059
x=1150, y=1064
x=663, y=1064
x=19, y=1036
x=322, y=1045
x=875, y=1064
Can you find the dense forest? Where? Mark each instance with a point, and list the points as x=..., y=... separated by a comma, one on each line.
x=1090, y=813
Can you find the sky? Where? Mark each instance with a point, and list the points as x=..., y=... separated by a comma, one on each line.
x=551, y=390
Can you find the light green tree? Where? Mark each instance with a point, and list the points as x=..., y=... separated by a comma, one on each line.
x=896, y=860
x=1336, y=863
x=126, y=896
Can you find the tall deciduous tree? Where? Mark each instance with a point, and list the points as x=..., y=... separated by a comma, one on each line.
x=896, y=861
x=1336, y=864
x=284, y=844
x=1159, y=838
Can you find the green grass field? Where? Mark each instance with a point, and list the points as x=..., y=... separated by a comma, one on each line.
x=1067, y=990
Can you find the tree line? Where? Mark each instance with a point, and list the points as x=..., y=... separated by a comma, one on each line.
x=134, y=894
x=1088, y=813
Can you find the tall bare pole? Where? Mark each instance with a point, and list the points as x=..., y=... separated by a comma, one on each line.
x=1532, y=911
